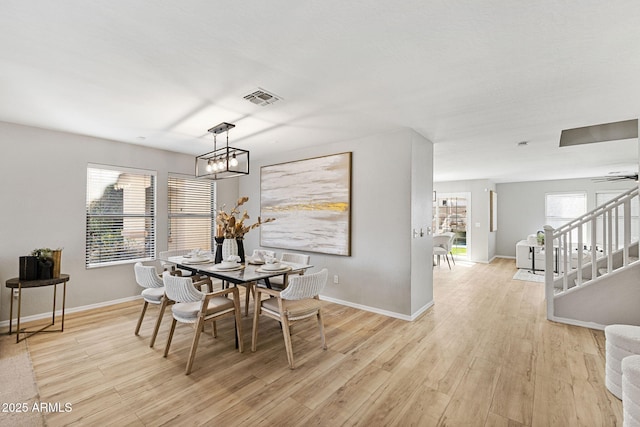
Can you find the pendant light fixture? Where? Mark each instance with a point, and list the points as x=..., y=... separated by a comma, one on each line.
x=223, y=162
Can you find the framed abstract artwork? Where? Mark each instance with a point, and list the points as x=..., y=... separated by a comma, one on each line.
x=311, y=202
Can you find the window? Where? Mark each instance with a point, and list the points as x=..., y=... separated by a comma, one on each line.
x=563, y=207
x=191, y=213
x=121, y=219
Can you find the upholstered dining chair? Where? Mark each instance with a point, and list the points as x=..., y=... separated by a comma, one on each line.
x=441, y=247
x=278, y=281
x=452, y=238
x=153, y=293
x=195, y=307
x=298, y=301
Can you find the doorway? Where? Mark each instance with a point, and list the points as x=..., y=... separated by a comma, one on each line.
x=452, y=213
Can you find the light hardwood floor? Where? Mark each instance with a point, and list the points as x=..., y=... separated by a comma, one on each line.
x=483, y=355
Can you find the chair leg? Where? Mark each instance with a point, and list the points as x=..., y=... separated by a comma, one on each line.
x=144, y=310
x=287, y=341
x=447, y=258
x=215, y=329
x=256, y=315
x=237, y=313
x=452, y=258
x=194, y=344
x=321, y=326
x=163, y=306
x=169, y=338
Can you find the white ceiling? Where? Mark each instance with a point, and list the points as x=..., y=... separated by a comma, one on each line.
x=473, y=77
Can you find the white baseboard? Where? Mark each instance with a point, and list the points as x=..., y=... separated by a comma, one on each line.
x=414, y=316
x=5, y=323
x=393, y=314
x=574, y=322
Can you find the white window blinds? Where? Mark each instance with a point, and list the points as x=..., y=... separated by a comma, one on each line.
x=191, y=213
x=120, y=215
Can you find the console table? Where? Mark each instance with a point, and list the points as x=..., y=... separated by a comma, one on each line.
x=18, y=284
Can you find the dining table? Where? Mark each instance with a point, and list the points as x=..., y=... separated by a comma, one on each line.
x=242, y=273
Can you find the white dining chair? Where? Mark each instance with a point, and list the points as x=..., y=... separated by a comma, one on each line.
x=297, y=302
x=452, y=238
x=440, y=247
x=196, y=307
x=278, y=282
x=153, y=293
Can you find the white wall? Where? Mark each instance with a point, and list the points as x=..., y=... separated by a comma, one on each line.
x=421, y=211
x=483, y=241
x=388, y=201
x=521, y=206
x=43, y=205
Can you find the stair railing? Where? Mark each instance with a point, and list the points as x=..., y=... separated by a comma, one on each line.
x=580, y=236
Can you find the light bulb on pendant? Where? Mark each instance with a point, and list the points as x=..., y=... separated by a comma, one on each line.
x=233, y=162
x=221, y=164
x=209, y=166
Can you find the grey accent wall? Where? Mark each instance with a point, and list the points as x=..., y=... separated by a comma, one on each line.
x=521, y=206
x=388, y=269
x=43, y=205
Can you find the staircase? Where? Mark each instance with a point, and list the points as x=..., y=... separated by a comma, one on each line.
x=597, y=256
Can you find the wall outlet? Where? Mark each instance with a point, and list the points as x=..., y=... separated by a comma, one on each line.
x=336, y=280
x=15, y=293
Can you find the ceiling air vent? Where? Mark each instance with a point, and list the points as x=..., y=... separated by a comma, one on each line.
x=261, y=97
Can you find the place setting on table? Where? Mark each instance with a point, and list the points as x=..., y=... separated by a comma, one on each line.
x=273, y=265
x=232, y=263
x=197, y=257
